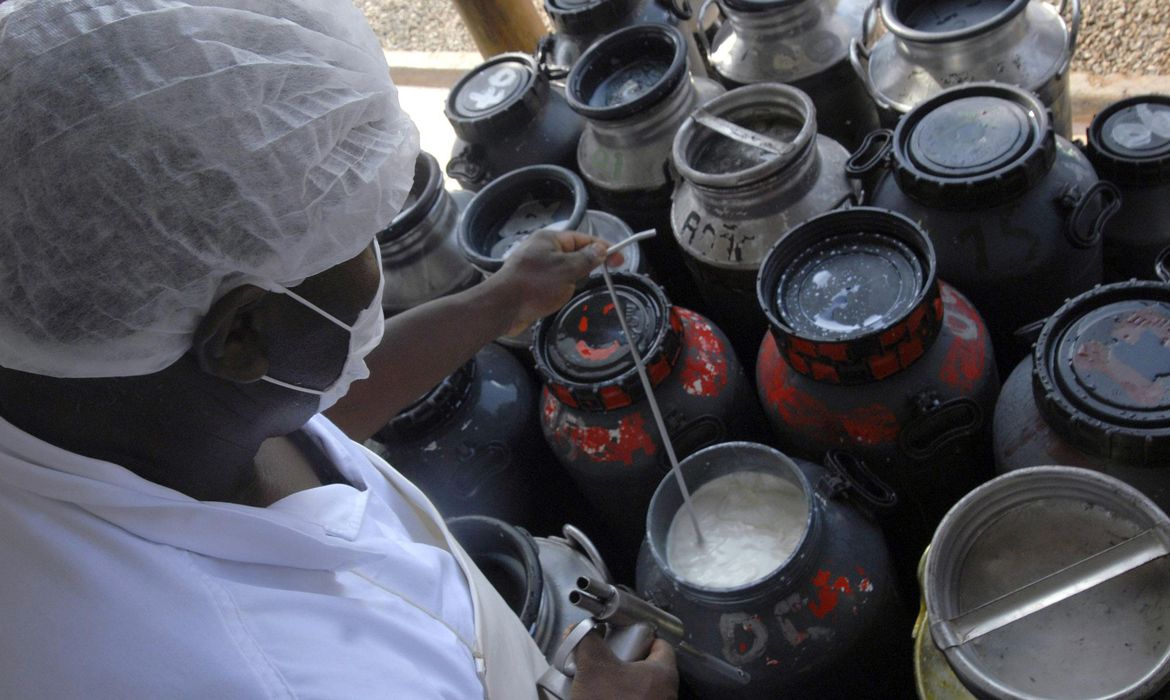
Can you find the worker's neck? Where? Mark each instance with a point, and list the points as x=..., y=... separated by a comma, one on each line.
x=174, y=428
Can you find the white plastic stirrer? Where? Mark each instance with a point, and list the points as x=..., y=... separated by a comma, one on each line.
x=641, y=367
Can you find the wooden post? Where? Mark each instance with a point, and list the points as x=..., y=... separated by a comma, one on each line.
x=497, y=26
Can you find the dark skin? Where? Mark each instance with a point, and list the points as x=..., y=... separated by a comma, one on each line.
x=197, y=425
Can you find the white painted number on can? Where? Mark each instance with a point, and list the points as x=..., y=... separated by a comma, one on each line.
x=500, y=81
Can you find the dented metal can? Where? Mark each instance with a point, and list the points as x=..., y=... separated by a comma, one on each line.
x=827, y=622
x=594, y=411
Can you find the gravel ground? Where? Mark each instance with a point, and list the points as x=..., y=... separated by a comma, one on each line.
x=1117, y=36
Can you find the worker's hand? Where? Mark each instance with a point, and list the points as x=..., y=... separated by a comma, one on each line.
x=601, y=676
x=540, y=275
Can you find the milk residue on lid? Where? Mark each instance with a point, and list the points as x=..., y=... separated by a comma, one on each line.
x=752, y=522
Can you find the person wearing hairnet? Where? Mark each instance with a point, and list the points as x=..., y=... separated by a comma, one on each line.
x=187, y=278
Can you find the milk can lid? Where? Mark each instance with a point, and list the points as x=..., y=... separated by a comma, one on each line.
x=583, y=353
x=586, y=16
x=499, y=95
x=973, y=146
x=424, y=192
x=1101, y=372
x=851, y=296
x=1129, y=141
x=1027, y=596
x=434, y=407
x=627, y=72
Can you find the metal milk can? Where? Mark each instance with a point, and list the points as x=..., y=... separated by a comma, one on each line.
x=826, y=623
x=1129, y=145
x=803, y=43
x=633, y=89
x=420, y=252
x=932, y=45
x=752, y=166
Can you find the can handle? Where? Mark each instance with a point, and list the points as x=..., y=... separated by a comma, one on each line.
x=872, y=153
x=466, y=168
x=1162, y=264
x=939, y=424
x=579, y=540
x=1074, y=29
x=1089, y=235
x=869, y=22
x=857, y=52
x=544, y=50
x=850, y=476
x=708, y=33
x=1029, y=333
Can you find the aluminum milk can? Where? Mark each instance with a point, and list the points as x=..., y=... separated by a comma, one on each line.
x=824, y=624
x=932, y=45
x=870, y=353
x=1129, y=145
x=1094, y=394
x=420, y=253
x=736, y=198
x=472, y=444
x=534, y=575
x=579, y=23
x=1015, y=212
x=803, y=43
x=1054, y=547
x=634, y=90
x=594, y=412
x=507, y=115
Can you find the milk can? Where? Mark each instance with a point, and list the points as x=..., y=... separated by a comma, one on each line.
x=594, y=412
x=753, y=166
x=634, y=90
x=1129, y=145
x=803, y=43
x=579, y=23
x=1052, y=582
x=1015, y=212
x=534, y=575
x=472, y=444
x=825, y=622
x=871, y=353
x=1094, y=394
x=420, y=252
x=507, y=115
x=931, y=46
x=522, y=202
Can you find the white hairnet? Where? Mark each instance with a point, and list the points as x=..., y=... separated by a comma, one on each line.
x=157, y=153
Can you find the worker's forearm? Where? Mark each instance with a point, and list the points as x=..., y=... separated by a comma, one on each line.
x=420, y=348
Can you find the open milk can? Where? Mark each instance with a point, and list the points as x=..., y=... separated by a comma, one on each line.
x=507, y=115
x=1048, y=582
x=802, y=43
x=633, y=89
x=1094, y=393
x=869, y=352
x=580, y=23
x=534, y=575
x=420, y=252
x=753, y=166
x=1015, y=212
x=932, y=45
x=594, y=412
x=1129, y=145
x=797, y=590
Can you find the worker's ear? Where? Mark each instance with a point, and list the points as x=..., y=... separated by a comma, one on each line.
x=227, y=344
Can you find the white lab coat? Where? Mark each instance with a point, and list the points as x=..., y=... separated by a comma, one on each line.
x=113, y=586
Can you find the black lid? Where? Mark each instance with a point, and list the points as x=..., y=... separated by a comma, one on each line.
x=586, y=16
x=973, y=146
x=941, y=21
x=499, y=95
x=583, y=355
x=514, y=206
x=1101, y=372
x=627, y=72
x=1129, y=141
x=434, y=408
x=851, y=296
x=424, y=195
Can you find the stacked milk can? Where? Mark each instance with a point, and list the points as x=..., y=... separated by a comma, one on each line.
x=888, y=292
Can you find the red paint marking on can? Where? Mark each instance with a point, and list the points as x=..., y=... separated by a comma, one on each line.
x=606, y=309
x=704, y=366
x=796, y=409
x=827, y=595
x=871, y=425
x=610, y=444
x=583, y=324
x=966, y=359
x=594, y=353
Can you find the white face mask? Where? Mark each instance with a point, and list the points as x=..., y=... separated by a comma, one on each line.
x=364, y=336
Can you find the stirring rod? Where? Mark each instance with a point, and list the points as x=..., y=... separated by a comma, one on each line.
x=650, y=389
